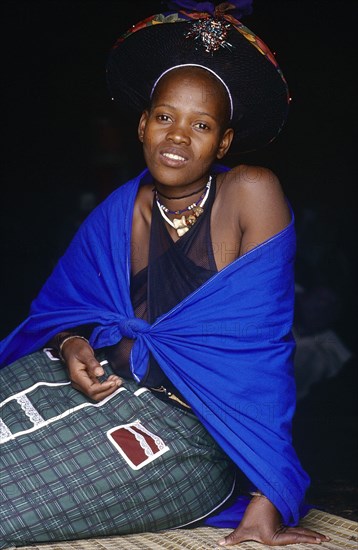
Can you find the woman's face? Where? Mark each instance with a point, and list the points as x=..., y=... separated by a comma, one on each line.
x=185, y=129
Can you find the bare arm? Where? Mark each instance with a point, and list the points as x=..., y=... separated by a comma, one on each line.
x=261, y=207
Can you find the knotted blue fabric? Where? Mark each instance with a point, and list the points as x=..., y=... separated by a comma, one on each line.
x=227, y=347
x=133, y=328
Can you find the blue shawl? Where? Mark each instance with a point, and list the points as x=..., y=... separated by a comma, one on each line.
x=227, y=347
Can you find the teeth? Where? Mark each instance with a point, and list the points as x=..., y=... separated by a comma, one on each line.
x=172, y=156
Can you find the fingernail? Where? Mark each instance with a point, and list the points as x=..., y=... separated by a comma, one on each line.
x=222, y=542
x=318, y=540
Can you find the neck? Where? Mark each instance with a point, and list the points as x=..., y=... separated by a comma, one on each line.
x=184, y=191
x=162, y=195
x=180, y=205
x=193, y=211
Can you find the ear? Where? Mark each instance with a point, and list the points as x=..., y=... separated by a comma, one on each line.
x=225, y=143
x=141, y=126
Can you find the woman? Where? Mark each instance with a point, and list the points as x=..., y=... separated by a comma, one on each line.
x=171, y=311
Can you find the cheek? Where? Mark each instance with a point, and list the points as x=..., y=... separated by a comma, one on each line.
x=147, y=142
x=149, y=150
x=208, y=150
x=151, y=138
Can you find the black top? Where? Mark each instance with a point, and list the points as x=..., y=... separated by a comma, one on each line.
x=187, y=264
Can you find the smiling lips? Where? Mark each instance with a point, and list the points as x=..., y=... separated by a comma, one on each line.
x=172, y=157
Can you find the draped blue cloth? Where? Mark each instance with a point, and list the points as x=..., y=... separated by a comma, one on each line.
x=227, y=347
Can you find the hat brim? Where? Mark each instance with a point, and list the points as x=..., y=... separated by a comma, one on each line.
x=256, y=83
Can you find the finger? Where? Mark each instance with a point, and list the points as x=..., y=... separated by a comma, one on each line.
x=116, y=379
x=96, y=390
x=80, y=378
x=85, y=381
x=109, y=378
x=94, y=368
x=99, y=393
x=112, y=383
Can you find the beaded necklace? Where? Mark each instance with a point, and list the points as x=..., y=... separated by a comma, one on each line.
x=183, y=224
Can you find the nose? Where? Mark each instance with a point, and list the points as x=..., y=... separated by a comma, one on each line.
x=178, y=134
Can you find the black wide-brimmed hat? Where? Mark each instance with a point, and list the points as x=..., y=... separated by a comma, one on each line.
x=219, y=42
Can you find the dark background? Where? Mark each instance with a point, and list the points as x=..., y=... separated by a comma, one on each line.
x=65, y=148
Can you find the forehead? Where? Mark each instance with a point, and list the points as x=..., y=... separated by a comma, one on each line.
x=189, y=84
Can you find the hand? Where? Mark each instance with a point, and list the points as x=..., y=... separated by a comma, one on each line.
x=84, y=370
x=262, y=523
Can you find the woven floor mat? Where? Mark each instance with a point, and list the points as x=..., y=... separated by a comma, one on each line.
x=343, y=533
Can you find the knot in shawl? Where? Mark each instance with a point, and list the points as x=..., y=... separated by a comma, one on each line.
x=133, y=327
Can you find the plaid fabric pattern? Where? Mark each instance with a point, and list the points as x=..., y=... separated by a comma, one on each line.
x=62, y=478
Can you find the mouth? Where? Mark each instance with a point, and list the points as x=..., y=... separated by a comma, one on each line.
x=173, y=158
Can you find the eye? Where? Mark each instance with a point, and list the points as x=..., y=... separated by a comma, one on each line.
x=201, y=126
x=163, y=118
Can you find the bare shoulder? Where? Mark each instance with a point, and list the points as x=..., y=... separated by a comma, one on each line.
x=143, y=203
x=258, y=200
x=252, y=180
